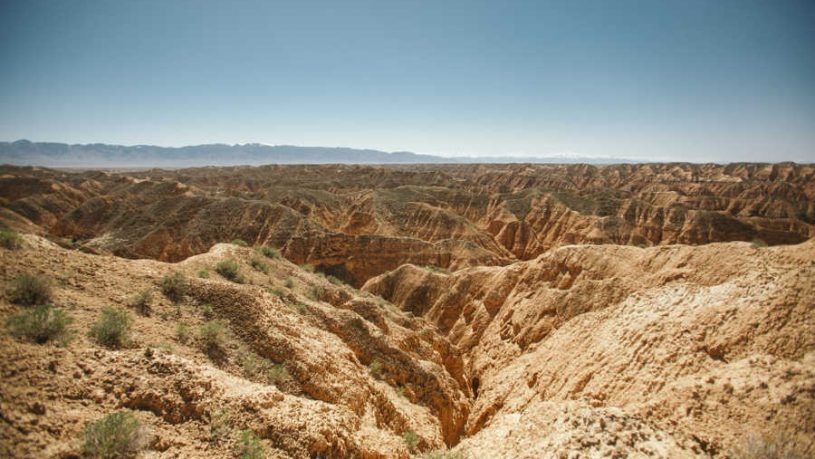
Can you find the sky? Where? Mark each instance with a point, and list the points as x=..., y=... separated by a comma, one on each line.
x=689, y=80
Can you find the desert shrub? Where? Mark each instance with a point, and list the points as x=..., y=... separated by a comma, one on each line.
x=775, y=445
x=758, y=243
x=335, y=280
x=182, y=332
x=142, y=301
x=260, y=368
x=316, y=292
x=300, y=307
x=113, y=327
x=277, y=373
x=10, y=240
x=307, y=267
x=207, y=311
x=203, y=274
x=375, y=367
x=229, y=269
x=30, y=290
x=289, y=283
x=117, y=435
x=275, y=291
x=411, y=439
x=220, y=426
x=41, y=324
x=250, y=446
x=240, y=242
x=268, y=252
x=259, y=264
x=212, y=335
x=174, y=286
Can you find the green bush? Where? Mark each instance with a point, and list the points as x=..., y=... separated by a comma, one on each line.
x=375, y=367
x=316, y=292
x=335, y=280
x=212, y=335
x=411, y=440
x=758, y=243
x=307, y=267
x=260, y=265
x=220, y=426
x=229, y=269
x=268, y=252
x=240, y=242
x=289, y=283
x=117, y=435
x=250, y=446
x=203, y=274
x=113, y=327
x=30, y=290
x=175, y=286
x=182, y=332
x=275, y=291
x=41, y=324
x=207, y=311
x=255, y=367
x=142, y=302
x=277, y=373
x=10, y=240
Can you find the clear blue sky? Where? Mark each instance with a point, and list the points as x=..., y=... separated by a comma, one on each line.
x=724, y=80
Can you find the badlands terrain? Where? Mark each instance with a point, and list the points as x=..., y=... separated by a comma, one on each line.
x=445, y=311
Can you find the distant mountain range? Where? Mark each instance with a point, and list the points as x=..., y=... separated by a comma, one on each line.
x=24, y=152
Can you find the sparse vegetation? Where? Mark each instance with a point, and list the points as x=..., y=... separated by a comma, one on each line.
x=411, y=440
x=240, y=242
x=117, y=435
x=250, y=446
x=268, y=252
x=10, y=240
x=212, y=335
x=113, y=327
x=207, y=311
x=316, y=292
x=30, y=290
x=230, y=270
x=175, y=286
x=275, y=291
x=758, y=243
x=182, y=332
x=220, y=426
x=142, y=302
x=259, y=264
x=307, y=267
x=41, y=324
x=335, y=280
x=203, y=274
x=289, y=283
x=376, y=367
x=263, y=369
x=300, y=307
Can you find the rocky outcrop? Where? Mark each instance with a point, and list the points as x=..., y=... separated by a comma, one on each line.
x=664, y=334
x=357, y=222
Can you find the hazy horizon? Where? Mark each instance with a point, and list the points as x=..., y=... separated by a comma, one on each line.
x=727, y=81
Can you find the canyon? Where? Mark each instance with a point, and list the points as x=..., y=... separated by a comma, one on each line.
x=444, y=310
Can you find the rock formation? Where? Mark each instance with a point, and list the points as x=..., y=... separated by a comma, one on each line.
x=497, y=311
